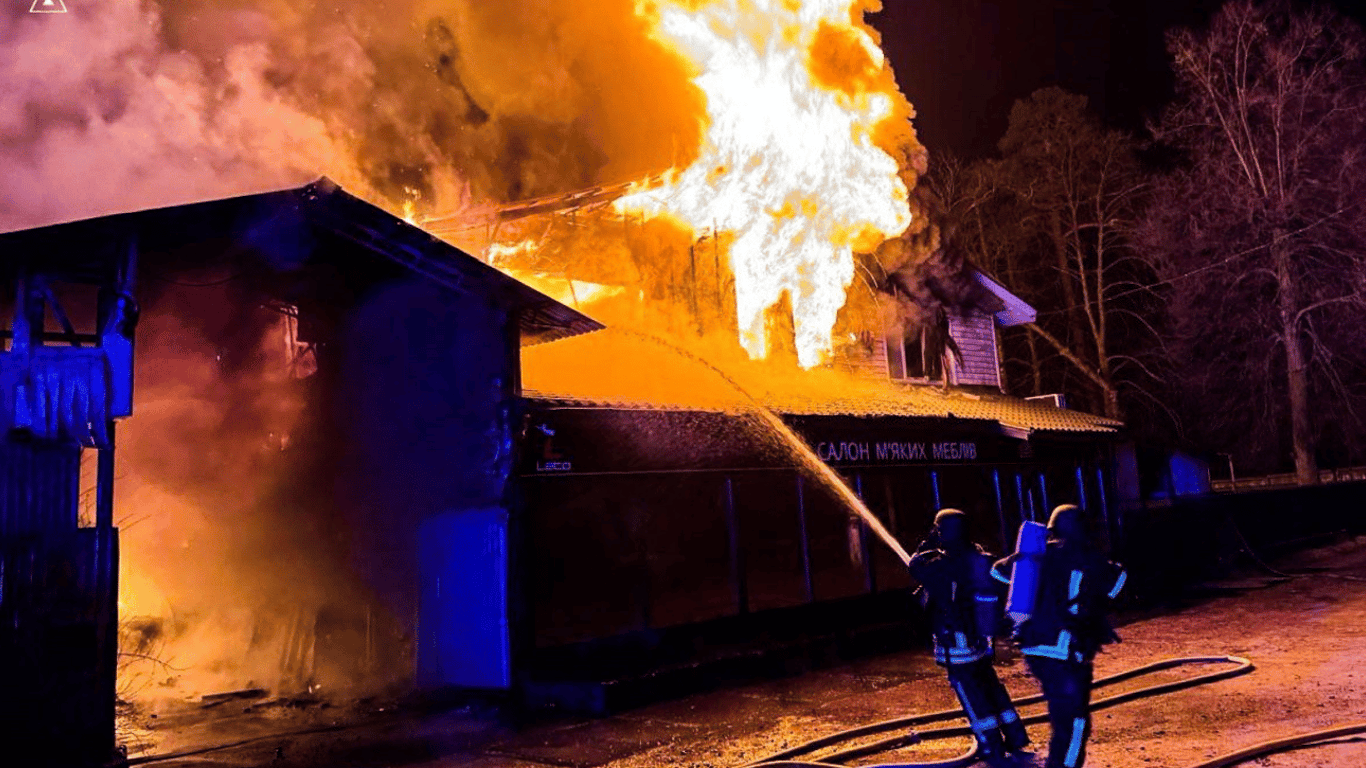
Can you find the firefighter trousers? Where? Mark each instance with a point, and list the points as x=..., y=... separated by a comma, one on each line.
x=990, y=712
x=1067, y=687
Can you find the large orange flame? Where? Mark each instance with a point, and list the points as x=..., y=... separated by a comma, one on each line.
x=788, y=163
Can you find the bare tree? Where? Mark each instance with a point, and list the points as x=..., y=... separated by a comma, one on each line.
x=1266, y=206
x=993, y=231
x=1054, y=217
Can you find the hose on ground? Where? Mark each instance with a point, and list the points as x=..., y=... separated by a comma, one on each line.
x=1250, y=552
x=786, y=758
x=1315, y=738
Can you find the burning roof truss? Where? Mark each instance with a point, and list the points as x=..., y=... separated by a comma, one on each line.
x=286, y=225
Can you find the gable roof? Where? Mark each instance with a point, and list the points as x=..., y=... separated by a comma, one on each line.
x=287, y=220
x=1015, y=311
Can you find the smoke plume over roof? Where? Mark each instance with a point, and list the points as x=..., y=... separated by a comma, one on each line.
x=126, y=104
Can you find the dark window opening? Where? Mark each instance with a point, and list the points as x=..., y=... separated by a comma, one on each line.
x=912, y=356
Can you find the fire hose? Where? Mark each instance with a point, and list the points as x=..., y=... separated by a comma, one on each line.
x=1315, y=738
x=788, y=758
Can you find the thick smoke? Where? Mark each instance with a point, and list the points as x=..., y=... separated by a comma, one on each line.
x=99, y=113
x=120, y=104
x=223, y=556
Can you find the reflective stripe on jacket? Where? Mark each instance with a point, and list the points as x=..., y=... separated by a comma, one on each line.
x=959, y=598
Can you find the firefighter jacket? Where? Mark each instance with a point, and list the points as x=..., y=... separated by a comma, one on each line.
x=961, y=602
x=1069, y=621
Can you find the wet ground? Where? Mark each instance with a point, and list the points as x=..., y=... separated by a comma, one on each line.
x=1306, y=635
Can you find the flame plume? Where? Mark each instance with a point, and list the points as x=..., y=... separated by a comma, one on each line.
x=789, y=163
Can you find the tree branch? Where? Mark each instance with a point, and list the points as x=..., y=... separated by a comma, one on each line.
x=1141, y=366
x=1354, y=298
x=1070, y=356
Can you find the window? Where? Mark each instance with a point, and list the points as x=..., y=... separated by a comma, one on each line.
x=299, y=356
x=910, y=356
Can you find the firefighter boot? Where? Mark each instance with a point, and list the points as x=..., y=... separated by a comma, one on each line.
x=991, y=749
x=1016, y=737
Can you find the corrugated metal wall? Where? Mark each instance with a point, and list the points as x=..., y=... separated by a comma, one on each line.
x=58, y=589
x=39, y=487
x=56, y=704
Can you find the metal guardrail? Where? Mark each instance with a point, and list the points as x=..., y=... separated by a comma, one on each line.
x=1286, y=480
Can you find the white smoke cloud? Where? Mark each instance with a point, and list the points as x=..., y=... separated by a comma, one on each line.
x=99, y=115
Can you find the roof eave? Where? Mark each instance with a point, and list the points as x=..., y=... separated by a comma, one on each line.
x=81, y=250
x=541, y=318
x=1017, y=311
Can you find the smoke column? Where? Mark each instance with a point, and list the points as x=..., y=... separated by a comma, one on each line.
x=124, y=104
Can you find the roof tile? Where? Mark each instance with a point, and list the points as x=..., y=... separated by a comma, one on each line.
x=907, y=400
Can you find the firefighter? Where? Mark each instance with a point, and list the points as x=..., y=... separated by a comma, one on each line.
x=1067, y=628
x=962, y=604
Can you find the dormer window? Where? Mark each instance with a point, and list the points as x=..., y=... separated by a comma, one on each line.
x=963, y=340
x=911, y=356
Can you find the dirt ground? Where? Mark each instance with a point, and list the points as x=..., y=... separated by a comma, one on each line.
x=1306, y=636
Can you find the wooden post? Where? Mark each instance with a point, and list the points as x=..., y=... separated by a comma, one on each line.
x=737, y=554
x=692, y=282
x=869, y=575
x=1000, y=508
x=106, y=633
x=1104, y=502
x=805, y=540
x=104, y=484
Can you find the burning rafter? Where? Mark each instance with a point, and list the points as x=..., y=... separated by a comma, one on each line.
x=580, y=200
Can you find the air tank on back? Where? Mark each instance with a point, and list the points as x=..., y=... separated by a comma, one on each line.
x=1024, y=579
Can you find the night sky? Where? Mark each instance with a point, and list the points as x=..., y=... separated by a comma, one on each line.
x=962, y=63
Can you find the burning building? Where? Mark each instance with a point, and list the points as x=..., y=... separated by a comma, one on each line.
x=403, y=490
x=662, y=516
x=356, y=460
x=341, y=380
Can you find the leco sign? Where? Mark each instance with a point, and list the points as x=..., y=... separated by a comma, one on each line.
x=549, y=459
x=866, y=452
